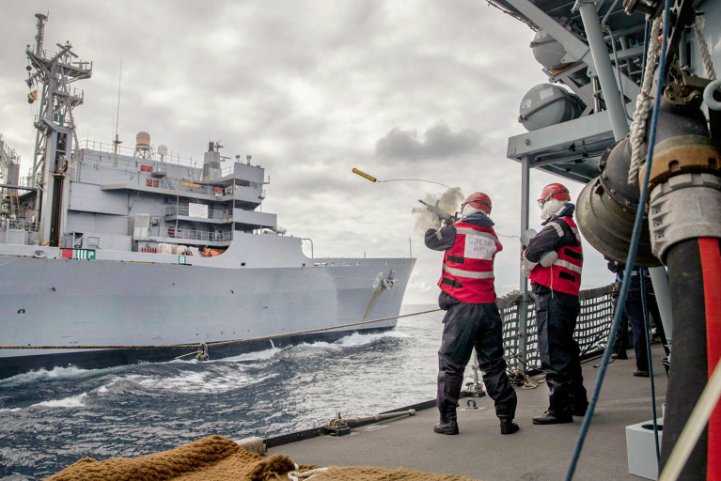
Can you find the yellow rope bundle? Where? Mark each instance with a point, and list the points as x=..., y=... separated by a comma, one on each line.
x=216, y=458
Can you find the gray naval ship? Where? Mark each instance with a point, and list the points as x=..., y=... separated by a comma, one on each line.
x=110, y=257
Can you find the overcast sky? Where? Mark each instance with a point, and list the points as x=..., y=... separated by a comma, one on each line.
x=413, y=89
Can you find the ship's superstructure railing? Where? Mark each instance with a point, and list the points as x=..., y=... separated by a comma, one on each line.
x=592, y=327
x=199, y=235
x=19, y=224
x=184, y=210
x=170, y=157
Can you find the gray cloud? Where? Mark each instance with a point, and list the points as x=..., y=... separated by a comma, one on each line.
x=437, y=142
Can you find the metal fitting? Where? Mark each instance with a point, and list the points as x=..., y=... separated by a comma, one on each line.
x=683, y=154
x=648, y=7
x=684, y=207
x=683, y=145
x=606, y=209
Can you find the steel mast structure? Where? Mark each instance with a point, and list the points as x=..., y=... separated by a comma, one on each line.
x=56, y=136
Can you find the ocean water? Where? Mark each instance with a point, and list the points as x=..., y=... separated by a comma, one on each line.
x=50, y=419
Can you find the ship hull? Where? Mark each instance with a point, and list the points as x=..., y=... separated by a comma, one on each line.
x=146, y=307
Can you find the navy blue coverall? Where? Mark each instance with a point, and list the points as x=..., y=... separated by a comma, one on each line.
x=556, y=314
x=465, y=326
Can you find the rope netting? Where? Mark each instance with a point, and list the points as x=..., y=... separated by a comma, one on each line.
x=592, y=326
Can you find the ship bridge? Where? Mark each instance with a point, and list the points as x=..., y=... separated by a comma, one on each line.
x=137, y=201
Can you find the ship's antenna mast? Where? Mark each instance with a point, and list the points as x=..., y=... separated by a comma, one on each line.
x=56, y=136
x=117, y=141
x=40, y=36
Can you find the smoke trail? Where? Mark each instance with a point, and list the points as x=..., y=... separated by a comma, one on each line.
x=449, y=201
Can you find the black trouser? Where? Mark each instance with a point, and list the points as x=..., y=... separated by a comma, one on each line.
x=620, y=345
x=634, y=312
x=560, y=355
x=466, y=326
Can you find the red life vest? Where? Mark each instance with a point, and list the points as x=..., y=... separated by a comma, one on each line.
x=468, y=265
x=564, y=275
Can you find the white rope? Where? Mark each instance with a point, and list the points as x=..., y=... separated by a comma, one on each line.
x=644, y=103
x=297, y=475
x=253, y=444
x=703, y=47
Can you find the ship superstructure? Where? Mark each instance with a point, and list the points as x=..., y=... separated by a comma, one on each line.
x=147, y=252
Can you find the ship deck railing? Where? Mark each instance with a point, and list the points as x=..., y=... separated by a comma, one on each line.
x=221, y=193
x=199, y=235
x=184, y=210
x=170, y=157
x=521, y=342
x=18, y=224
x=173, y=187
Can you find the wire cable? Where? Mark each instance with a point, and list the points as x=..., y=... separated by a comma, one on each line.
x=633, y=248
x=416, y=180
x=646, y=326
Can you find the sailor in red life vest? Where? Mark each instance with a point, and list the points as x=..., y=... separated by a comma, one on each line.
x=472, y=319
x=553, y=260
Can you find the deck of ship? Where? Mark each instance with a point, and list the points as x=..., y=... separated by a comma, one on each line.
x=481, y=452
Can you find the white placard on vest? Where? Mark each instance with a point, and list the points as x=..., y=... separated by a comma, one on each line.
x=478, y=247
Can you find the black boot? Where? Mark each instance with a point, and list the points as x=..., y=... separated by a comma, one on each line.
x=580, y=410
x=508, y=426
x=448, y=425
x=550, y=418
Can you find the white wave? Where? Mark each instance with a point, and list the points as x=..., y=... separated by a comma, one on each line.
x=249, y=356
x=43, y=375
x=352, y=340
x=68, y=402
x=105, y=388
x=357, y=339
x=9, y=410
x=56, y=373
x=198, y=382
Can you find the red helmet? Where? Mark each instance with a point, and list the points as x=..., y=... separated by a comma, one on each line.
x=479, y=200
x=554, y=191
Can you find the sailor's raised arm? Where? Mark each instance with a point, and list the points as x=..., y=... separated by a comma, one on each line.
x=441, y=239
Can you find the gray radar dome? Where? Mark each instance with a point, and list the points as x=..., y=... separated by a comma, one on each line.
x=545, y=105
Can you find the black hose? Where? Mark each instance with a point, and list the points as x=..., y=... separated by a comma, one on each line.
x=689, y=372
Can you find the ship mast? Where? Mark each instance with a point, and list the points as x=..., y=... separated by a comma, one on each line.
x=55, y=137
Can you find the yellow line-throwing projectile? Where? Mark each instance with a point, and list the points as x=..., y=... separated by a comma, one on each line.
x=364, y=175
